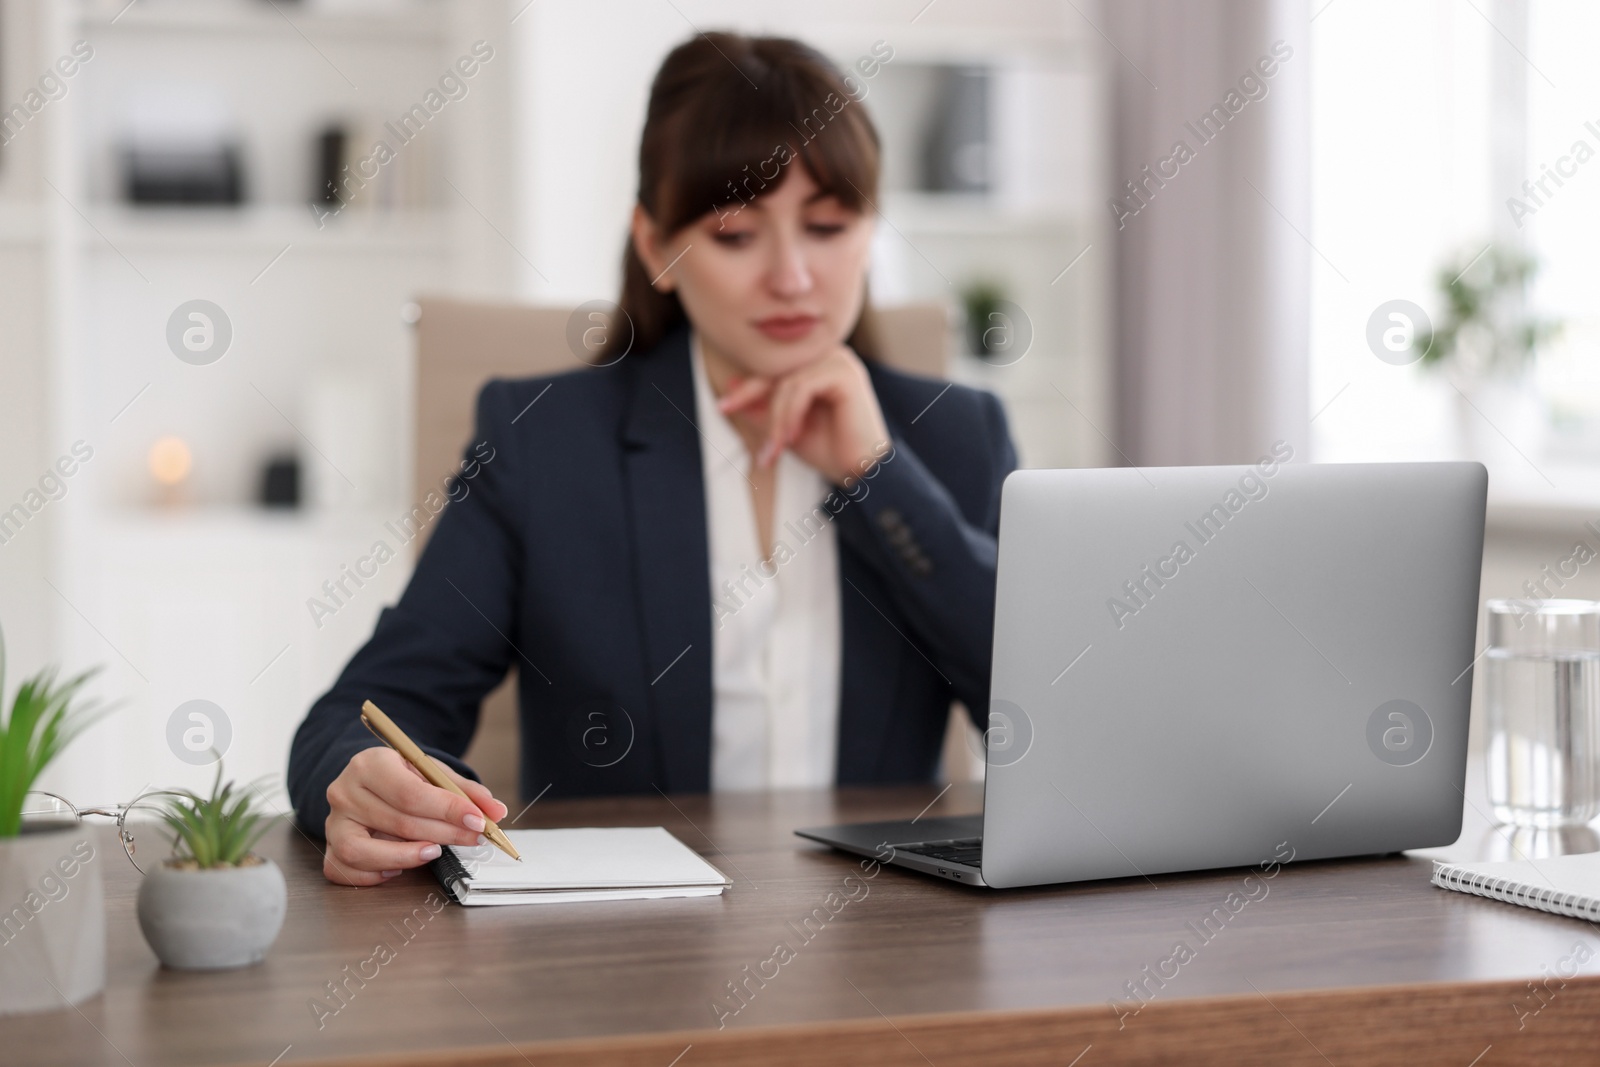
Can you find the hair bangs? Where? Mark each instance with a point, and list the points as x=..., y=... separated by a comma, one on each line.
x=724, y=156
x=729, y=116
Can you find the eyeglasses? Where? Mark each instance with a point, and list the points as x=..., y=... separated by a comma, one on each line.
x=43, y=810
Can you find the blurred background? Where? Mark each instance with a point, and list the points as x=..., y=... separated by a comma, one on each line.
x=1163, y=232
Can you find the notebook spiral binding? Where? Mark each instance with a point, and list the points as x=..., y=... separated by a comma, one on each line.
x=449, y=869
x=1575, y=905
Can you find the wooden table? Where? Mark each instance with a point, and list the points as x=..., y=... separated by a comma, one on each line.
x=1341, y=962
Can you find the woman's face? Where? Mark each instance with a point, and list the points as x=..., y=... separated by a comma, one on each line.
x=769, y=285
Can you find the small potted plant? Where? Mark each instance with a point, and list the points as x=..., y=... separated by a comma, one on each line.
x=214, y=904
x=52, y=910
x=982, y=301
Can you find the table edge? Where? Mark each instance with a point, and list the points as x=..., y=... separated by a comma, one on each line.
x=1356, y=1022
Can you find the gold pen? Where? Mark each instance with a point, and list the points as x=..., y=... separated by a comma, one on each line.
x=390, y=734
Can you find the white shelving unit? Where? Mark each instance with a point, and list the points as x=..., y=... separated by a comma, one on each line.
x=209, y=601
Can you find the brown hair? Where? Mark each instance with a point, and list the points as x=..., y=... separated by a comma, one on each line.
x=727, y=113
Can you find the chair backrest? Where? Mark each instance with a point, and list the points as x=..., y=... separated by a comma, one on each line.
x=461, y=344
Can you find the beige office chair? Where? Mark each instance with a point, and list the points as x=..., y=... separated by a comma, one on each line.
x=462, y=344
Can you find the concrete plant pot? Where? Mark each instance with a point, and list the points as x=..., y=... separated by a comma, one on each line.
x=52, y=919
x=211, y=919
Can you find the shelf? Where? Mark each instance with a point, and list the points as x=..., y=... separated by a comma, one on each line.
x=262, y=227
x=225, y=521
x=409, y=22
x=184, y=532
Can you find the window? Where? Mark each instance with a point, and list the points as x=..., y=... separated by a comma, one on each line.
x=1426, y=119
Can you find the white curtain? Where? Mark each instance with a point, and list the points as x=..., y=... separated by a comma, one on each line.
x=1211, y=285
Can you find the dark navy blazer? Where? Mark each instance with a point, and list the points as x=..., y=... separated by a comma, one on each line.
x=579, y=556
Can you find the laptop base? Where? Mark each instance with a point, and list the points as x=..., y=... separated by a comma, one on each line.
x=938, y=846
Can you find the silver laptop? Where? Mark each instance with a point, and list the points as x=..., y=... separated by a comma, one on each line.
x=1200, y=667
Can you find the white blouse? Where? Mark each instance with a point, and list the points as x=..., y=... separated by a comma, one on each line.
x=775, y=630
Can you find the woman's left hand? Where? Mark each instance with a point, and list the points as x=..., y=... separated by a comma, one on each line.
x=826, y=411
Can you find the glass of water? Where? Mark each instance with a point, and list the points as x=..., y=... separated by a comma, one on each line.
x=1541, y=701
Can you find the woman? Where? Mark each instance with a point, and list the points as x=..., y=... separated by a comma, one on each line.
x=744, y=556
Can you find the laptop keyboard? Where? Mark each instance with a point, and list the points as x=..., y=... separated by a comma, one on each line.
x=967, y=851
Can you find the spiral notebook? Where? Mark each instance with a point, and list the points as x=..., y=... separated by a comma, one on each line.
x=1565, y=885
x=608, y=863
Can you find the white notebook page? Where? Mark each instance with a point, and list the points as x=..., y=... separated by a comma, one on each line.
x=615, y=857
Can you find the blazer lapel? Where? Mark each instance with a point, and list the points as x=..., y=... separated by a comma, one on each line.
x=667, y=517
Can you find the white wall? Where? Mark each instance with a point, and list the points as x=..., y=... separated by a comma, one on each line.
x=29, y=436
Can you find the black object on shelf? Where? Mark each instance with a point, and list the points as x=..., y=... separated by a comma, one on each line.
x=330, y=159
x=280, y=482
x=957, y=150
x=211, y=174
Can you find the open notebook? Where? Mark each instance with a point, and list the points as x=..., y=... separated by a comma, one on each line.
x=1565, y=885
x=609, y=863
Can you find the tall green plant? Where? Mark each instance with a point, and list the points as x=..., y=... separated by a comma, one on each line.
x=45, y=717
x=214, y=831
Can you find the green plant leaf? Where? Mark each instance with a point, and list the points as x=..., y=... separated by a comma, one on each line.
x=46, y=716
x=217, y=830
x=1483, y=300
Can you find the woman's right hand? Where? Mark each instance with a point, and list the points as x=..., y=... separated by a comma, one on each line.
x=384, y=817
